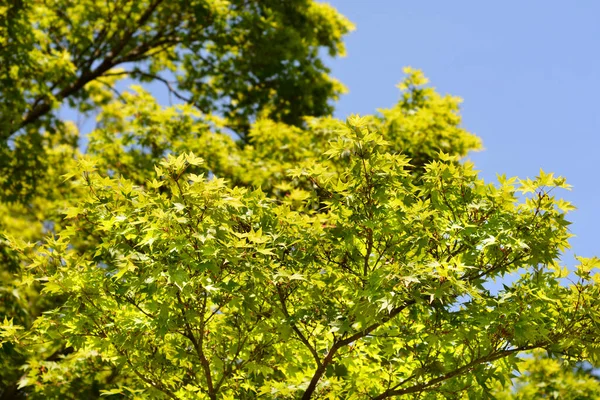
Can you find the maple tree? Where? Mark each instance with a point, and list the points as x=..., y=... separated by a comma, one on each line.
x=306, y=258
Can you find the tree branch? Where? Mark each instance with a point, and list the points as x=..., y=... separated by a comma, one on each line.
x=341, y=343
x=425, y=385
x=198, y=346
x=109, y=62
x=163, y=80
x=302, y=338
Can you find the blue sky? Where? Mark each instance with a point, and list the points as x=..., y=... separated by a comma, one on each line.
x=528, y=71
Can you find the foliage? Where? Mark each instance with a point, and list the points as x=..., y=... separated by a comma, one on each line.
x=228, y=57
x=548, y=378
x=236, y=58
x=353, y=274
x=312, y=258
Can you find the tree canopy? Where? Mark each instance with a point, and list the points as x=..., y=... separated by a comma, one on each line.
x=307, y=257
x=237, y=58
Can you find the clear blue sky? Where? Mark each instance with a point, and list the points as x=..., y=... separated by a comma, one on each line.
x=528, y=71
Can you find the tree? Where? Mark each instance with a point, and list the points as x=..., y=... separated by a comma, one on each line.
x=238, y=59
x=326, y=260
